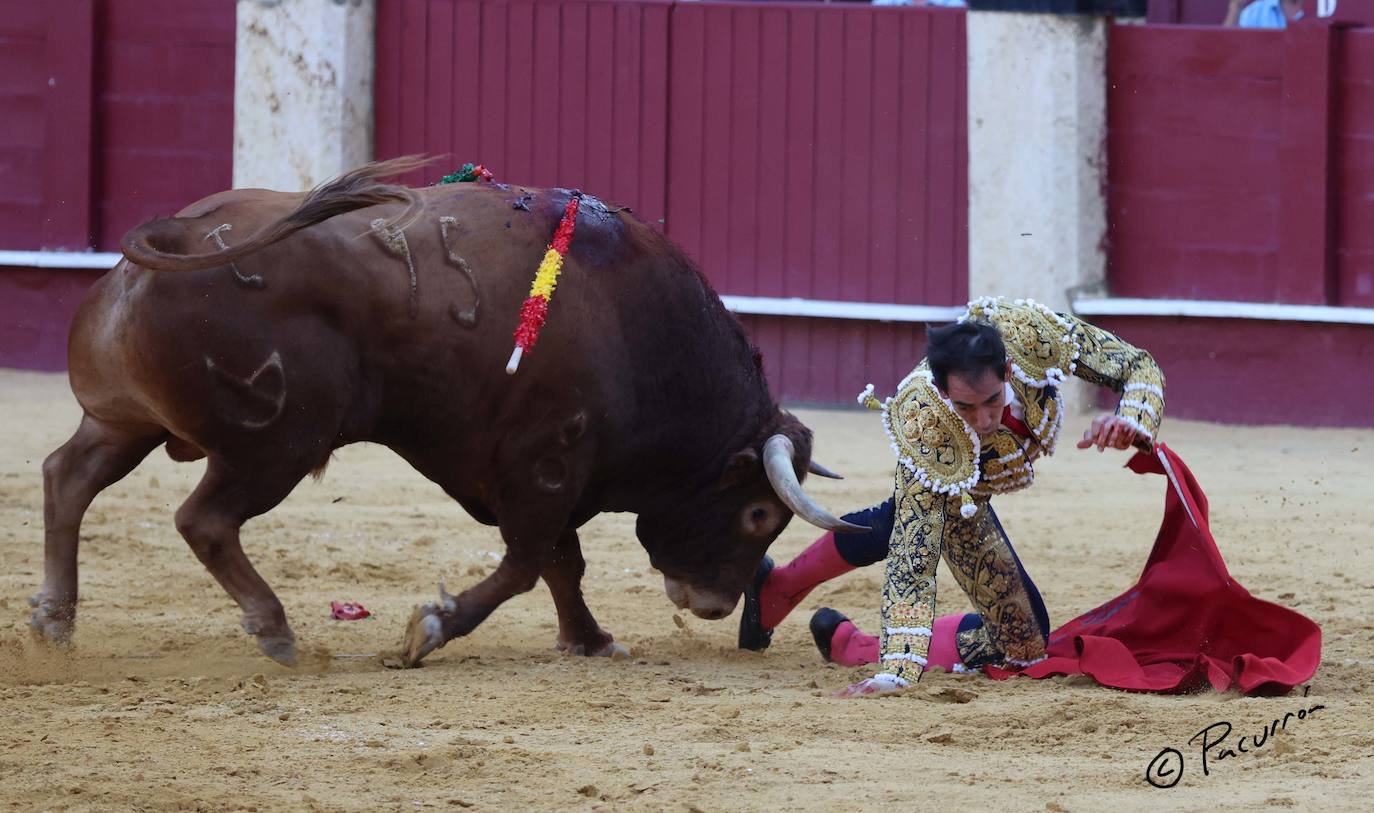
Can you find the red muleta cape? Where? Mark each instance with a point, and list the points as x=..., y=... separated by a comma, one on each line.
x=1186, y=623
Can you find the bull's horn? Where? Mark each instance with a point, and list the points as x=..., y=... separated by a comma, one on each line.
x=821, y=471
x=777, y=461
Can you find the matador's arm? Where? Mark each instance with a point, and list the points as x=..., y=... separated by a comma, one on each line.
x=1108, y=361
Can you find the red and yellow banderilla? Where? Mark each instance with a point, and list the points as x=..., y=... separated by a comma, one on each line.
x=536, y=308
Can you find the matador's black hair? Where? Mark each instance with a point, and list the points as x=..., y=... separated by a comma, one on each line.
x=972, y=349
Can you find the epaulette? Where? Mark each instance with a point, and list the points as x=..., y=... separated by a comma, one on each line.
x=1040, y=342
x=930, y=438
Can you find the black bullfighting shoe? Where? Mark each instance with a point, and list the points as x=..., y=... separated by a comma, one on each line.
x=823, y=626
x=752, y=634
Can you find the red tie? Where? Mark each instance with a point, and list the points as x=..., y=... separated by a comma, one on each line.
x=1014, y=423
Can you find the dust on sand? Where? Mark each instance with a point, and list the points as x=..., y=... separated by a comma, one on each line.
x=165, y=704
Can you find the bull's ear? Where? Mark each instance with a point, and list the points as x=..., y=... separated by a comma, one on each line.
x=743, y=466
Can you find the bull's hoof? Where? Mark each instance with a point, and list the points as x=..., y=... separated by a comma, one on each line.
x=275, y=638
x=424, y=634
x=281, y=649
x=52, y=623
x=610, y=649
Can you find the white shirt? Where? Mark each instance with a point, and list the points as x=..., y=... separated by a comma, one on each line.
x=1017, y=410
x=1263, y=14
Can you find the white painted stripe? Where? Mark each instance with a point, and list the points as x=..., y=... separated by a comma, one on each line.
x=1223, y=310
x=872, y=311
x=60, y=259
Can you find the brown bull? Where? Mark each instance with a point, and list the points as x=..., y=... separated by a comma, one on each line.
x=370, y=312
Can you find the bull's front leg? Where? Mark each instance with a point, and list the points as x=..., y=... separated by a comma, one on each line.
x=545, y=465
x=529, y=543
x=578, y=632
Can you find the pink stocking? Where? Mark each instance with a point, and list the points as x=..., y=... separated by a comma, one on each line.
x=788, y=585
x=851, y=647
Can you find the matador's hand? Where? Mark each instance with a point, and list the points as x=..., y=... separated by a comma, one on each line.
x=1108, y=430
x=880, y=684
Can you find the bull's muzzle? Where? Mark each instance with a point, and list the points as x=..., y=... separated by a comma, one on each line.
x=707, y=604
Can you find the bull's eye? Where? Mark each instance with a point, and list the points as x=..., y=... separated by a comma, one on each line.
x=759, y=519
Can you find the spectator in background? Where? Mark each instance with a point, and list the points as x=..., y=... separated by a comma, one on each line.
x=1263, y=13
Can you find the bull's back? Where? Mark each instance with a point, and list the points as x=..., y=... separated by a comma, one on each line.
x=385, y=332
x=137, y=334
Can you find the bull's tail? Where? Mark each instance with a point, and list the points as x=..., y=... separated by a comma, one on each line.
x=358, y=189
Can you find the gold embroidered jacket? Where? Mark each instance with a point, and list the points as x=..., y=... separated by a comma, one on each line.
x=947, y=473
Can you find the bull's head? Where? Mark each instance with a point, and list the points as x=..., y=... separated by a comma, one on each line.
x=709, y=545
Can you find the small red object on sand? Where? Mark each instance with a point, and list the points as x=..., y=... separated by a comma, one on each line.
x=347, y=611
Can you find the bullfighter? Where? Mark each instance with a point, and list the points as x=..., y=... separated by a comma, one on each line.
x=968, y=423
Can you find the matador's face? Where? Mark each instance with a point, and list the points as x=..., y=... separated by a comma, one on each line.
x=979, y=402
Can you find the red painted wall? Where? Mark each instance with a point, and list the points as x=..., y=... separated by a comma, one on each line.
x=800, y=150
x=1193, y=126
x=1248, y=371
x=23, y=94
x=114, y=111
x=828, y=361
x=821, y=152
x=1354, y=168
x=570, y=93
x=36, y=310
x=1239, y=164
x=164, y=109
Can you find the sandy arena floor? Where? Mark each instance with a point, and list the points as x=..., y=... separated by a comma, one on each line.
x=166, y=705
